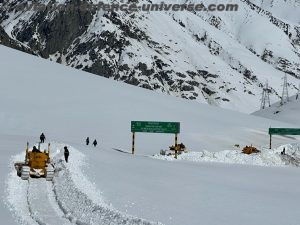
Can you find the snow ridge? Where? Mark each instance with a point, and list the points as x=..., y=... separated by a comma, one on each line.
x=266, y=157
x=16, y=197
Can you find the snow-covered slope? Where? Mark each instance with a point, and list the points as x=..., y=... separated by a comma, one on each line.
x=68, y=105
x=286, y=10
x=222, y=58
x=37, y=95
x=288, y=112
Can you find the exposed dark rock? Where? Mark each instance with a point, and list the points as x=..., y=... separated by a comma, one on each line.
x=7, y=41
x=187, y=88
x=208, y=91
x=225, y=100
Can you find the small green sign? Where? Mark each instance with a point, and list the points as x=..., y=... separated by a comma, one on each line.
x=284, y=131
x=155, y=127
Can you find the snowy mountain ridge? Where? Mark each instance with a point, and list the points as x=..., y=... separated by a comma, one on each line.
x=103, y=185
x=220, y=58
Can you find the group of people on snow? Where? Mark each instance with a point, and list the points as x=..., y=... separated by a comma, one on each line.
x=87, y=141
x=66, y=150
x=42, y=140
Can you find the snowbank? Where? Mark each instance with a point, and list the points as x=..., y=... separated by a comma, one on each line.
x=17, y=193
x=267, y=157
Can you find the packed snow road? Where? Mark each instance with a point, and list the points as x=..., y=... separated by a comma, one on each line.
x=69, y=199
x=33, y=201
x=73, y=199
x=42, y=204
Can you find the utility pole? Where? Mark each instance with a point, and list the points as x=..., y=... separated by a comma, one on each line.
x=285, y=93
x=298, y=94
x=265, y=96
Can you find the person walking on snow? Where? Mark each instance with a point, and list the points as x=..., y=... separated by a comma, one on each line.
x=42, y=138
x=283, y=151
x=95, y=143
x=87, y=141
x=66, y=153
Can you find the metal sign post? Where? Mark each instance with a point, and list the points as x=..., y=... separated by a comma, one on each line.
x=133, y=140
x=283, y=131
x=154, y=127
x=176, y=139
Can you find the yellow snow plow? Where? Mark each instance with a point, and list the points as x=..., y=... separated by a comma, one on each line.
x=37, y=164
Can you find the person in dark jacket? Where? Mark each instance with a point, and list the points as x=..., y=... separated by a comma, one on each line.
x=66, y=153
x=87, y=141
x=95, y=143
x=34, y=149
x=42, y=138
x=283, y=151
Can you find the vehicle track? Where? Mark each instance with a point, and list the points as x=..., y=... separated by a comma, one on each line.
x=61, y=202
x=42, y=203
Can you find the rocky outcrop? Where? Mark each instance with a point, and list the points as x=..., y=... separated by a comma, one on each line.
x=7, y=41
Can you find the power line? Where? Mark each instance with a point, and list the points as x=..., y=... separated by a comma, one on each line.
x=285, y=93
x=265, y=100
x=298, y=94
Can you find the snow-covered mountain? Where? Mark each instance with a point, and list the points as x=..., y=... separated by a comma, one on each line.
x=222, y=58
x=105, y=185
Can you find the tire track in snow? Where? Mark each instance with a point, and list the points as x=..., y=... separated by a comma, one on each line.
x=75, y=202
x=63, y=201
x=81, y=201
x=42, y=204
x=29, y=208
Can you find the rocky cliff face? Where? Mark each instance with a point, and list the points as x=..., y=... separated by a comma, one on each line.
x=222, y=58
x=7, y=41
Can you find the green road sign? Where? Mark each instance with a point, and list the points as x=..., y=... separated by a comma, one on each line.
x=284, y=131
x=155, y=127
